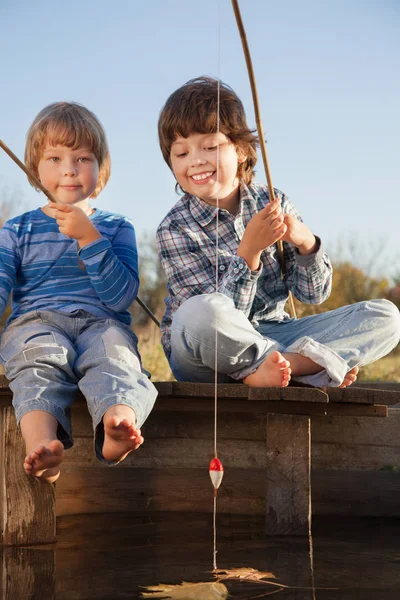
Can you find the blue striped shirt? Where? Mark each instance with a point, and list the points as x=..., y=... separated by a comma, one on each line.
x=186, y=241
x=45, y=269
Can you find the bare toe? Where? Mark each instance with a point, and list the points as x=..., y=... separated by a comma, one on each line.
x=44, y=460
x=275, y=371
x=120, y=437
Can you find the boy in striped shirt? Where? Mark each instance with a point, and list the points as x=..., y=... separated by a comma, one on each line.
x=73, y=273
x=217, y=247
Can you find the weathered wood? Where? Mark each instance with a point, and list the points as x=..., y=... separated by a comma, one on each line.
x=356, y=442
x=241, y=406
x=288, y=493
x=82, y=490
x=354, y=395
x=28, y=573
x=177, y=452
x=358, y=430
x=356, y=410
x=27, y=514
x=244, y=426
x=361, y=493
x=155, y=478
x=288, y=394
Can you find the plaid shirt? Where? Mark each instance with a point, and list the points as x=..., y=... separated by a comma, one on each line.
x=186, y=242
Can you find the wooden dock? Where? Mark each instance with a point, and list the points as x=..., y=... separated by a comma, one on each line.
x=287, y=453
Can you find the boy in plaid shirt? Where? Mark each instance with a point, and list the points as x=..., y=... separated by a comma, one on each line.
x=225, y=227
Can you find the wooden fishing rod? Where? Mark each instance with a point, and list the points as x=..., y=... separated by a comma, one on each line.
x=260, y=131
x=41, y=187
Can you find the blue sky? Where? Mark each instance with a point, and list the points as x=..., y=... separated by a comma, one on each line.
x=328, y=82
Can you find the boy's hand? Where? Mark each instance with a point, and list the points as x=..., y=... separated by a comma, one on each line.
x=263, y=230
x=74, y=223
x=299, y=235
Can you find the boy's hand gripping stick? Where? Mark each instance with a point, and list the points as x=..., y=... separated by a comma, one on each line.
x=260, y=131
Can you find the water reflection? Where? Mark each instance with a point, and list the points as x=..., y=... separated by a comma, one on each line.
x=112, y=556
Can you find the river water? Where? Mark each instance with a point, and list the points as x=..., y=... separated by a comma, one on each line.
x=117, y=555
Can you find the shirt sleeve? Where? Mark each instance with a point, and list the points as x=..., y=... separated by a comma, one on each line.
x=309, y=277
x=191, y=269
x=113, y=267
x=9, y=264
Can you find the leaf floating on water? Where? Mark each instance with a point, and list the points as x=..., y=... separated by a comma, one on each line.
x=213, y=590
x=243, y=573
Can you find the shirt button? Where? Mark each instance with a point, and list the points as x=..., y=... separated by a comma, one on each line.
x=222, y=268
x=236, y=270
x=241, y=267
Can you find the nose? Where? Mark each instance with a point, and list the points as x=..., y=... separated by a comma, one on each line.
x=197, y=158
x=69, y=169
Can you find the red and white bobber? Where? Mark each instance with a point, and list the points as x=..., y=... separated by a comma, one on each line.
x=216, y=471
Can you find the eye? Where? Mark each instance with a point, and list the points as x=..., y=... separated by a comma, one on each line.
x=212, y=148
x=181, y=154
x=54, y=159
x=83, y=159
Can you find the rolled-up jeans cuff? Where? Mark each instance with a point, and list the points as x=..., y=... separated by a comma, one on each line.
x=103, y=407
x=335, y=368
x=64, y=431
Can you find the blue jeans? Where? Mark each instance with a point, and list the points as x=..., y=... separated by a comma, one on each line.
x=338, y=340
x=48, y=355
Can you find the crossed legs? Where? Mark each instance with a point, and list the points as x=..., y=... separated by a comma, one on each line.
x=321, y=350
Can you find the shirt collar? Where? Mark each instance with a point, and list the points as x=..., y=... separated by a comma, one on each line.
x=204, y=213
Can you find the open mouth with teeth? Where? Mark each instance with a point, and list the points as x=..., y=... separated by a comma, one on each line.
x=202, y=177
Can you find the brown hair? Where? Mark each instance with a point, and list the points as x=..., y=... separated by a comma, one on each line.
x=193, y=108
x=68, y=124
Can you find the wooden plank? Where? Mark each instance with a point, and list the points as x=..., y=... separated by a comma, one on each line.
x=87, y=490
x=240, y=406
x=179, y=389
x=27, y=511
x=336, y=492
x=244, y=426
x=176, y=452
x=206, y=390
x=361, y=493
x=353, y=395
x=288, y=491
x=358, y=443
x=358, y=430
x=360, y=457
x=356, y=410
x=288, y=394
x=28, y=573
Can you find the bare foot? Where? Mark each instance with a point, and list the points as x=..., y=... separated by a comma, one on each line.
x=350, y=377
x=120, y=433
x=273, y=372
x=301, y=365
x=44, y=461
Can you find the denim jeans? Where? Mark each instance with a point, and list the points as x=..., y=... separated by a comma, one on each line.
x=338, y=340
x=48, y=355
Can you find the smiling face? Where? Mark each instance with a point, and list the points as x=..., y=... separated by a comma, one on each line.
x=194, y=163
x=70, y=175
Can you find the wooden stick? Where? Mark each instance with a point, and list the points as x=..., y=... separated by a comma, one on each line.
x=146, y=309
x=52, y=199
x=26, y=171
x=260, y=131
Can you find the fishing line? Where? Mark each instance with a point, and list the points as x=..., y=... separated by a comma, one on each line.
x=216, y=470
